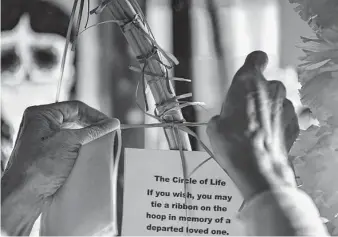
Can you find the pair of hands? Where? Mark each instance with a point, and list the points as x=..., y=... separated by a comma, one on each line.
x=248, y=139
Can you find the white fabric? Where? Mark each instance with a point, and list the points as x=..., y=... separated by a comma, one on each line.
x=83, y=206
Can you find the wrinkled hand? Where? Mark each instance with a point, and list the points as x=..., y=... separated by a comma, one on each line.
x=45, y=152
x=249, y=137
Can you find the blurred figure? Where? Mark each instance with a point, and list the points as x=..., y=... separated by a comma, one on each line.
x=33, y=36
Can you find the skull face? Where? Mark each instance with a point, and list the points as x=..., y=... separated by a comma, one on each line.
x=32, y=45
x=30, y=70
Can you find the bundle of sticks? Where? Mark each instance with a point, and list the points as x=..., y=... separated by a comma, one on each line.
x=154, y=68
x=154, y=64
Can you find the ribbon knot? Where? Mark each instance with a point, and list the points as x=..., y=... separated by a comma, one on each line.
x=101, y=7
x=134, y=22
x=143, y=59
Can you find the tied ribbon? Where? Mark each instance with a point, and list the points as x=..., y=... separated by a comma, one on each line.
x=100, y=7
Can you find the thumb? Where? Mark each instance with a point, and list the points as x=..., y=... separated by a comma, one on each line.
x=95, y=131
x=255, y=64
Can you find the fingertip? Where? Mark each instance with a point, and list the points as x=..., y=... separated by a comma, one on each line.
x=115, y=124
x=257, y=59
x=97, y=130
x=106, y=126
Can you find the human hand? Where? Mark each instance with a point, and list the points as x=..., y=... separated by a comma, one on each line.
x=248, y=137
x=45, y=153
